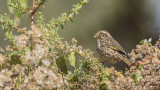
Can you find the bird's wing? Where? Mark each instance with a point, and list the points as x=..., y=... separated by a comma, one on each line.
x=117, y=47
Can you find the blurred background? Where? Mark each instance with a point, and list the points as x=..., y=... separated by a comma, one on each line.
x=128, y=21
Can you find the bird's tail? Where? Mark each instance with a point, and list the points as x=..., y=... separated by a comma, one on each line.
x=126, y=61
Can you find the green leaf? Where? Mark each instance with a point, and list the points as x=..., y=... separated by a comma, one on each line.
x=137, y=77
x=72, y=58
x=106, y=78
x=19, y=81
x=103, y=86
x=61, y=63
x=80, y=64
x=29, y=70
x=62, y=26
x=27, y=49
x=149, y=43
x=140, y=66
x=71, y=19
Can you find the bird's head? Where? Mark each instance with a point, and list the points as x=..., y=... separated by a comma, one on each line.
x=102, y=33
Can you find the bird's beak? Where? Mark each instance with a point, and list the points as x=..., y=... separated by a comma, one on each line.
x=95, y=36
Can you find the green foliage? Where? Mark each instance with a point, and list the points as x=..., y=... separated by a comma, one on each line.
x=56, y=46
x=72, y=58
x=103, y=86
x=19, y=81
x=61, y=63
x=19, y=7
x=140, y=66
x=146, y=41
x=137, y=77
x=77, y=74
x=8, y=26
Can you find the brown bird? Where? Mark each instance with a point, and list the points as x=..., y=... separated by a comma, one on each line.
x=109, y=49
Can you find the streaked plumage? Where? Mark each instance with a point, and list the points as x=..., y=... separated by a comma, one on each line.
x=109, y=49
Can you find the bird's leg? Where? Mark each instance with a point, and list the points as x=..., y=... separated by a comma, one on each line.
x=103, y=62
x=118, y=66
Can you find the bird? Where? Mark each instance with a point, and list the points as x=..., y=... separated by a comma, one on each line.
x=109, y=49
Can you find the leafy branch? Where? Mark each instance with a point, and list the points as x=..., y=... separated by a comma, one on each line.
x=61, y=21
x=18, y=6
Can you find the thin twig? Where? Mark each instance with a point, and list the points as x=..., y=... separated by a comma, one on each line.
x=32, y=15
x=14, y=27
x=34, y=10
x=65, y=19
